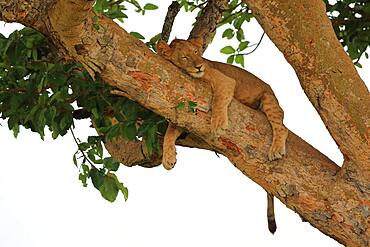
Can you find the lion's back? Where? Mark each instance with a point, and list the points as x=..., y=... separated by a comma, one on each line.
x=249, y=88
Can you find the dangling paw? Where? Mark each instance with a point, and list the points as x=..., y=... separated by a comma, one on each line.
x=169, y=157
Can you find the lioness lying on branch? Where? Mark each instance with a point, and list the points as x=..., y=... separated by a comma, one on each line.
x=227, y=81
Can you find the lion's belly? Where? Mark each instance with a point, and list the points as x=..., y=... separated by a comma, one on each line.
x=248, y=96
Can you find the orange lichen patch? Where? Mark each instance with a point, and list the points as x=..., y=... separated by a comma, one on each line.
x=144, y=79
x=366, y=203
x=202, y=105
x=230, y=145
x=337, y=217
x=189, y=87
x=310, y=202
x=250, y=128
x=23, y=14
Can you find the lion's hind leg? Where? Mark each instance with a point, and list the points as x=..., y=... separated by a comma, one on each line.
x=275, y=115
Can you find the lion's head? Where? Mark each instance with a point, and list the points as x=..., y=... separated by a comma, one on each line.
x=185, y=54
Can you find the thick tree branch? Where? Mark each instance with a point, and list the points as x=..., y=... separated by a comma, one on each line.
x=304, y=34
x=206, y=23
x=305, y=180
x=135, y=153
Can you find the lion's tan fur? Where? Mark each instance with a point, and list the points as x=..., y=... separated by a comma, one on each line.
x=227, y=81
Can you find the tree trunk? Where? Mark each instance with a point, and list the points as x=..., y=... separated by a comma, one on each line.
x=304, y=34
x=305, y=180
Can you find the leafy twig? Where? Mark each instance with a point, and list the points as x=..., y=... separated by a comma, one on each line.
x=257, y=45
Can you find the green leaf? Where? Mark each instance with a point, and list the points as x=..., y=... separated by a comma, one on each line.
x=75, y=158
x=123, y=189
x=192, y=106
x=130, y=132
x=97, y=177
x=109, y=189
x=83, y=146
x=228, y=50
x=155, y=38
x=180, y=106
x=228, y=33
x=151, y=138
x=150, y=6
x=238, y=22
x=98, y=7
x=239, y=59
x=243, y=45
x=34, y=54
x=83, y=179
x=110, y=164
x=358, y=65
x=230, y=59
x=85, y=169
x=137, y=35
x=15, y=130
x=240, y=35
x=116, y=14
x=96, y=24
x=84, y=174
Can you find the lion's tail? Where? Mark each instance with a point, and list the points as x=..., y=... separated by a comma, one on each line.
x=271, y=213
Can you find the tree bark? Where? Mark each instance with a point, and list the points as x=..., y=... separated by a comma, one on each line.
x=206, y=23
x=305, y=180
x=304, y=34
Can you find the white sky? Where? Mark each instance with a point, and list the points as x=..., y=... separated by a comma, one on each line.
x=204, y=201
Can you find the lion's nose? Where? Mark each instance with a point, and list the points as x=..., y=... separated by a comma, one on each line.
x=200, y=67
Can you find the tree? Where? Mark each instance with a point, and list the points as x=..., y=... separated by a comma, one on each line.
x=38, y=91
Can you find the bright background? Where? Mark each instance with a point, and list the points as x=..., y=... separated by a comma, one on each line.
x=203, y=201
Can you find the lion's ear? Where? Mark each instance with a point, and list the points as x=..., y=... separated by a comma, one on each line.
x=163, y=49
x=198, y=42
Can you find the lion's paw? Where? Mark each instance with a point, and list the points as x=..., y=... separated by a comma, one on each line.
x=277, y=151
x=218, y=123
x=169, y=158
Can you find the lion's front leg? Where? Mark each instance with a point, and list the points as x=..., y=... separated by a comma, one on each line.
x=223, y=93
x=169, y=146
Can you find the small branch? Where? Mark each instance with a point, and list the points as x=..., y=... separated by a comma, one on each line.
x=226, y=19
x=172, y=12
x=340, y=22
x=118, y=93
x=206, y=23
x=255, y=48
x=78, y=146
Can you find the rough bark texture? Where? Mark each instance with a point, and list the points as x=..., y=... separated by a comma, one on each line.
x=305, y=180
x=134, y=153
x=206, y=23
x=304, y=34
x=172, y=12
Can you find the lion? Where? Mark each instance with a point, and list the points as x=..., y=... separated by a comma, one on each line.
x=227, y=82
